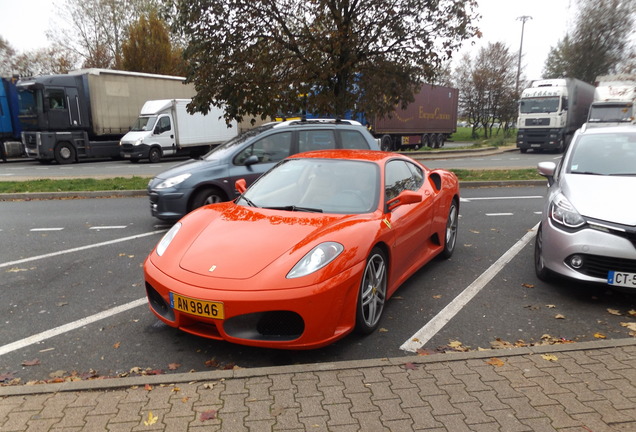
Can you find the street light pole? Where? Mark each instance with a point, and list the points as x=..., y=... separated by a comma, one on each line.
x=523, y=20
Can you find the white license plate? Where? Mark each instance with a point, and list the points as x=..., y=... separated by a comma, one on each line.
x=621, y=279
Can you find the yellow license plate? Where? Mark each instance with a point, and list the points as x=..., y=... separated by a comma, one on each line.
x=202, y=308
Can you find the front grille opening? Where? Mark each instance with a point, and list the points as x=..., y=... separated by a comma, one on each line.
x=158, y=304
x=598, y=266
x=266, y=326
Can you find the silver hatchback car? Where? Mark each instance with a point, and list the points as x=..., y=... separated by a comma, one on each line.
x=588, y=228
x=195, y=183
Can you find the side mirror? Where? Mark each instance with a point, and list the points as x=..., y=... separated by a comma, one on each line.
x=405, y=197
x=547, y=169
x=251, y=160
x=241, y=186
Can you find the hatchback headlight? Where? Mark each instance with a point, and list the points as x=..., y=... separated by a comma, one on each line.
x=167, y=238
x=173, y=181
x=316, y=259
x=564, y=213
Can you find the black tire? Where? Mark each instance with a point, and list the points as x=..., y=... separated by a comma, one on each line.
x=64, y=153
x=154, y=155
x=450, y=233
x=434, y=142
x=561, y=147
x=372, y=293
x=426, y=140
x=441, y=139
x=543, y=273
x=208, y=195
x=386, y=143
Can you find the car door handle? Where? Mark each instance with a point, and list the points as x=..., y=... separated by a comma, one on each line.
x=171, y=136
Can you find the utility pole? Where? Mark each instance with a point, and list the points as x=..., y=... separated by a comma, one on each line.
x=523, y=20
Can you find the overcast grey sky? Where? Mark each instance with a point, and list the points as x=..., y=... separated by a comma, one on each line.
x=24, y=23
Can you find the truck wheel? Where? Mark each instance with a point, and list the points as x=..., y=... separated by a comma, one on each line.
x=434, y=142
x=64, y=153
x=426, y=140
x=561, y=146
x=441, y=138
x=208, y=195
x=386, y=144
x=523, y=150
x=154, y=155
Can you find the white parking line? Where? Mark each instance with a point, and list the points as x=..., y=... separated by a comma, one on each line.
x=108, y=227
x=503, y=198
x=431, y=328
x=45, y=229
x=83, y=321
x=68, y=327
x=499, y=214
x=77, y=249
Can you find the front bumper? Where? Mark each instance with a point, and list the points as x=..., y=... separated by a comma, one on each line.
x=130, y=151
x=168, y=204
x=599, y=251
x=305, y=317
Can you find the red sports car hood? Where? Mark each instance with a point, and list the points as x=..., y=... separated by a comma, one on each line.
x=240, y=242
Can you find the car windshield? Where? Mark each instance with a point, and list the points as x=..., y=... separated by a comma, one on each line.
x=144, y=124
x=317, y=185
x=611, y=113
x=230, y=146
x=611, y=154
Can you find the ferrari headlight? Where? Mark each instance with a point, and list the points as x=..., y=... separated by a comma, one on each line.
x=564, y=213
x=316, y=259
x=167, y=238
x=173, y=181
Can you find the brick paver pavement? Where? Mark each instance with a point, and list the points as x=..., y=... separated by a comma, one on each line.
x=583, y=387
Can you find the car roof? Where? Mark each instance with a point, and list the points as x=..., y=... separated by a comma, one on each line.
x=315, y=122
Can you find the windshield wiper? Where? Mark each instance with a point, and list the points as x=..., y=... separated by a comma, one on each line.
x=296, y=208
x=587, y=173
x=248, y=201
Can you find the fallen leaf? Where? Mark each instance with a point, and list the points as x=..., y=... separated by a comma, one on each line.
x=549, y=357
x=550, y=306
x=152, y=419
x=629, y=325
x=185, y=399
x=455, y=344
x=116, y=345
x=148, y=387
x=559, y=316
x=410, y=366
x=474, y=231
x=173, y=366
x=438, y=296
x=212, y=363
x=614, y=312
x=599, y=335
x=176, y=390
x=33, y=362
x=423, y=352
x=494, y=361
x=383, y=330
x=632, y=312
x=527, y=285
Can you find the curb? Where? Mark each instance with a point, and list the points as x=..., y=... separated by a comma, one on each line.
x=167, y=379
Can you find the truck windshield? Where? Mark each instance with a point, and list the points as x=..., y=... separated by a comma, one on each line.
x=611, y=113
x=144, y=124
x=539, y=105
x=29, y=102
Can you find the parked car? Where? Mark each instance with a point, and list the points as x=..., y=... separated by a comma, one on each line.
x=211, y=179
x=308, y=253
x=588, y=228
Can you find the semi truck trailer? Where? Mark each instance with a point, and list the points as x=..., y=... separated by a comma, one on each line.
x=428, y=121
x=10, y=129
x=85, y=113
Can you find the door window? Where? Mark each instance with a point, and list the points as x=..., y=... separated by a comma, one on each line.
x=272, y=148
x=163, y=125
x=352, y=139
x=316, y=140
x=400, y=176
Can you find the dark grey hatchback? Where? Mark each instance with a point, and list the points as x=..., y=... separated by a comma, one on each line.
x=211, y=179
